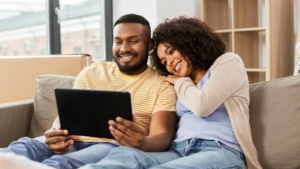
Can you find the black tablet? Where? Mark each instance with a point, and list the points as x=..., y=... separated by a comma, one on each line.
x=86, y=112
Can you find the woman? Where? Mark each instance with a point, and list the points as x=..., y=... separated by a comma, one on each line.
x=213, y=96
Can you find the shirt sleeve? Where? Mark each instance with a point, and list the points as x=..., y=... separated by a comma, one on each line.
x=166, y=99
x=80, y=81
x=227, y=77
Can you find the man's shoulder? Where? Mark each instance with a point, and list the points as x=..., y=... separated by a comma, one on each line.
x=153, y=76
x=101, y=65
x=161, y=85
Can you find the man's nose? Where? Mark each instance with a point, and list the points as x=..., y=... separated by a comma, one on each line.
x=125, y=47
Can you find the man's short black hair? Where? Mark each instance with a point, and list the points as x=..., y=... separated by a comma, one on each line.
x=133, y=18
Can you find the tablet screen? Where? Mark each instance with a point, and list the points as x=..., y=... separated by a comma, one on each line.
x=87, y=112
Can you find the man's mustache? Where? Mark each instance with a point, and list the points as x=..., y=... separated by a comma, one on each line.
x=127, y=53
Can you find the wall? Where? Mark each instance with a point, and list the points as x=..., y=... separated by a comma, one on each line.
x=155, y=11
x=297, y=30
x=175, y=8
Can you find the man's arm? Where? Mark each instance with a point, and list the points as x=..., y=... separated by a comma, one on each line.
x=162, y=130
x=163, y=127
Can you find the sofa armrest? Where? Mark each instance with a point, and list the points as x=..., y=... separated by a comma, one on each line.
x=15, y=120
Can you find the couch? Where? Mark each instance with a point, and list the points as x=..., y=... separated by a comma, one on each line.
x=274, y=117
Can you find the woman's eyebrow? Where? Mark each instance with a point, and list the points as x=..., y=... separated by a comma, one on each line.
x=167, y=47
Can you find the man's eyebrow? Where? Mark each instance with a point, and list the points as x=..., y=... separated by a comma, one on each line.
x=130, y=37
x=134, y=36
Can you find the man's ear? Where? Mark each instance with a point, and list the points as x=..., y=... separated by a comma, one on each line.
x=150, y=44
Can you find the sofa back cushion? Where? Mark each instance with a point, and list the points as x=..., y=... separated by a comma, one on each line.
x=45, y=110
x=275, y=122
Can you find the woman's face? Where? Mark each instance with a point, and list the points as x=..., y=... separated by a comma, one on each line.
x=173, y=60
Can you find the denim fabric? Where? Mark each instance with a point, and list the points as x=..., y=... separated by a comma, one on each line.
x=204, y=154
x=192, y=153
x=37, y=150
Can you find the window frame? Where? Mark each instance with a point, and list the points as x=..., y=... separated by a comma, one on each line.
x=53, y=28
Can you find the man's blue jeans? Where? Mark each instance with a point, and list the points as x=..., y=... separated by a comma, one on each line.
x=192, y=153
x=80, y=154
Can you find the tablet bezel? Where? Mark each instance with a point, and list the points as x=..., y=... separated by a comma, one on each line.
x=86, y=112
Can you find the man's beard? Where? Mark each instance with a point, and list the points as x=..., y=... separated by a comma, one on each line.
x=132, y=69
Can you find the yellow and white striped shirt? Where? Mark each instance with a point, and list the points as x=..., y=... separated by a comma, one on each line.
x=148, y=93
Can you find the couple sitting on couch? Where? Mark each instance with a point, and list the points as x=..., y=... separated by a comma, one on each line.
x=213, y=129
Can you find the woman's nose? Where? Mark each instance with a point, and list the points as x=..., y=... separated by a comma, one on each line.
x=169, y=61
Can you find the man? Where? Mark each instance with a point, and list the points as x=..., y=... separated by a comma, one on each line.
x=153, y=105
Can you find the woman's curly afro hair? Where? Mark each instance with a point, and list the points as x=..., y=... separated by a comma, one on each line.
x=195, y=40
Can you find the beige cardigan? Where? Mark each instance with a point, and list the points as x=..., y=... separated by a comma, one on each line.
x=228, y=84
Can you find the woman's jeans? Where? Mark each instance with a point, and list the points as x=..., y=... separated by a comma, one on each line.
x=192, y=153
x=80, y=154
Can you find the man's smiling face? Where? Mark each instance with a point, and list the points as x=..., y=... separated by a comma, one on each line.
x=130, y=47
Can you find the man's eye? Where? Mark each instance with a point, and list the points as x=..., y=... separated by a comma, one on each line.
x=117, y=42
x=133, y=41
x=171, y=52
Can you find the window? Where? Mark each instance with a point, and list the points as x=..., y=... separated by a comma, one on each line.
x=97, y=51
x=80, y=27
x=43, y=52
x=77, y=50
x=22, y=29
x=24, y=26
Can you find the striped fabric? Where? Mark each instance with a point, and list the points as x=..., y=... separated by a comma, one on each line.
x=148, y=93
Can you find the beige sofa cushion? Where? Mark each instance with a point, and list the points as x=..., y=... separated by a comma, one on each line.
x=45, y=110
x=275, y=122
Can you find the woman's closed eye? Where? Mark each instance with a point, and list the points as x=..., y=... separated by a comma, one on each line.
x=164, y=63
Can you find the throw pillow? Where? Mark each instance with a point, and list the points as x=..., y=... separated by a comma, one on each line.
x=45, y=110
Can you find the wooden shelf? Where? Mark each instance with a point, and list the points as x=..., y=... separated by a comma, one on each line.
x=227, y=39
x=224, y=31
x=254, y=77
x=249, y=29
x=253, y=30
x=255, y=70
x=251, y=47
x=222, y=14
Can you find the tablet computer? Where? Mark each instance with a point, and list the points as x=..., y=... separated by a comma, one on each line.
x=86, y=112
